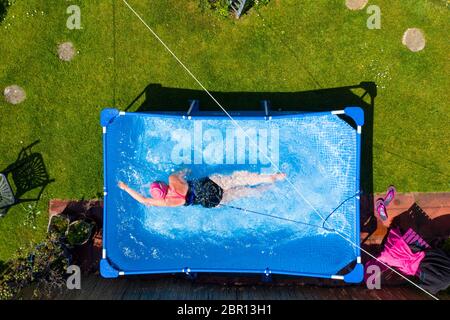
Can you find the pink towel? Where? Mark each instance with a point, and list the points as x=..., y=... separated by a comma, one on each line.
x=411, y=237
x=397, y=254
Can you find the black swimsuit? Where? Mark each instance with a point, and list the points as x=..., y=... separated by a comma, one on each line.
x=204, y=192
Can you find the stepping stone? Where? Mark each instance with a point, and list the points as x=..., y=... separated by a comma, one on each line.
x=66, y=51
x=14, y=94
x=414, y=39
x=356, y=4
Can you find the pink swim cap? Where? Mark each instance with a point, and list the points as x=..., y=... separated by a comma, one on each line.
x=159, y=190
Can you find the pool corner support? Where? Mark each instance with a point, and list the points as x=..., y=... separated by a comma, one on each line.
x=356, y=275
x=107, y=270
x=107, y=116
x=357, y=114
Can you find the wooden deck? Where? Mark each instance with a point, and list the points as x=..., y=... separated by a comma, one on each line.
x=428, y=214
x=173, y=288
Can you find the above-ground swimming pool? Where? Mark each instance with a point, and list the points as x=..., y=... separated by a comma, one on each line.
x=307, y=225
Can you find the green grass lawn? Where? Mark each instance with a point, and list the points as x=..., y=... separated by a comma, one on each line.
x=288, y=45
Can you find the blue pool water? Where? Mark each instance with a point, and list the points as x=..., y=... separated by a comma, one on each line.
x=318, y=153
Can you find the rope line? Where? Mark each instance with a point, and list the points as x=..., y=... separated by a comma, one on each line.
x=292, y=220
x=254, y=144
x=340, y=205
x=277, y=217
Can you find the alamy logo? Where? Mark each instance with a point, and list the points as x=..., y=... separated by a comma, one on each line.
x=213, y=146
x=373, y=281
x=74, y=279
x=374, y=20
x=74, y=20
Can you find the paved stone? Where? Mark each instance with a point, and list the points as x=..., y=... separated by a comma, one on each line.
x=14, y=94
x=66, y=51
x=414, y=39
x=356, y=4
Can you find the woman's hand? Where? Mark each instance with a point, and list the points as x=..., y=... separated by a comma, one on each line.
x=122, y=186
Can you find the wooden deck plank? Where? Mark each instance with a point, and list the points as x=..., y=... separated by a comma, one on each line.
x=96, y=288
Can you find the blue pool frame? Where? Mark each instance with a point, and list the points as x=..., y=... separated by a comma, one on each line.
x=107, y=270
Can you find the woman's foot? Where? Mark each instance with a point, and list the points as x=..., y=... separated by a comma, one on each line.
x=278, y=177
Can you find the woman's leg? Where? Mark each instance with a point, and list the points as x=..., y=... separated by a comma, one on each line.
x=243, y=192
x=245, y=178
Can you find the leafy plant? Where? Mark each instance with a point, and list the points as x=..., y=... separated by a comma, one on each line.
x=32, y=213
x=258, y=3
x=221, y=7
x=79, y=232
x=58, y=226
x=43, y=270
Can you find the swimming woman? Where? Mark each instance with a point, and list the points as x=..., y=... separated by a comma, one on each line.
x=209, y=192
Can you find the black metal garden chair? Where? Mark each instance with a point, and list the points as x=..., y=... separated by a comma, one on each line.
x=27, y=173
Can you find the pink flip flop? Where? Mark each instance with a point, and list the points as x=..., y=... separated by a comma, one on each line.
x=380, y=208
x=390, y=195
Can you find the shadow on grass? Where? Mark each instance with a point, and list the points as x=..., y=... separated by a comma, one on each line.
x=155, y=97
x=3, y=9
x=28, y=173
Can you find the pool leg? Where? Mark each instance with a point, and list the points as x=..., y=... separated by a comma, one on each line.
x=192, y=276
x=267, y=276
x=194, y=107
x=266, y=106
